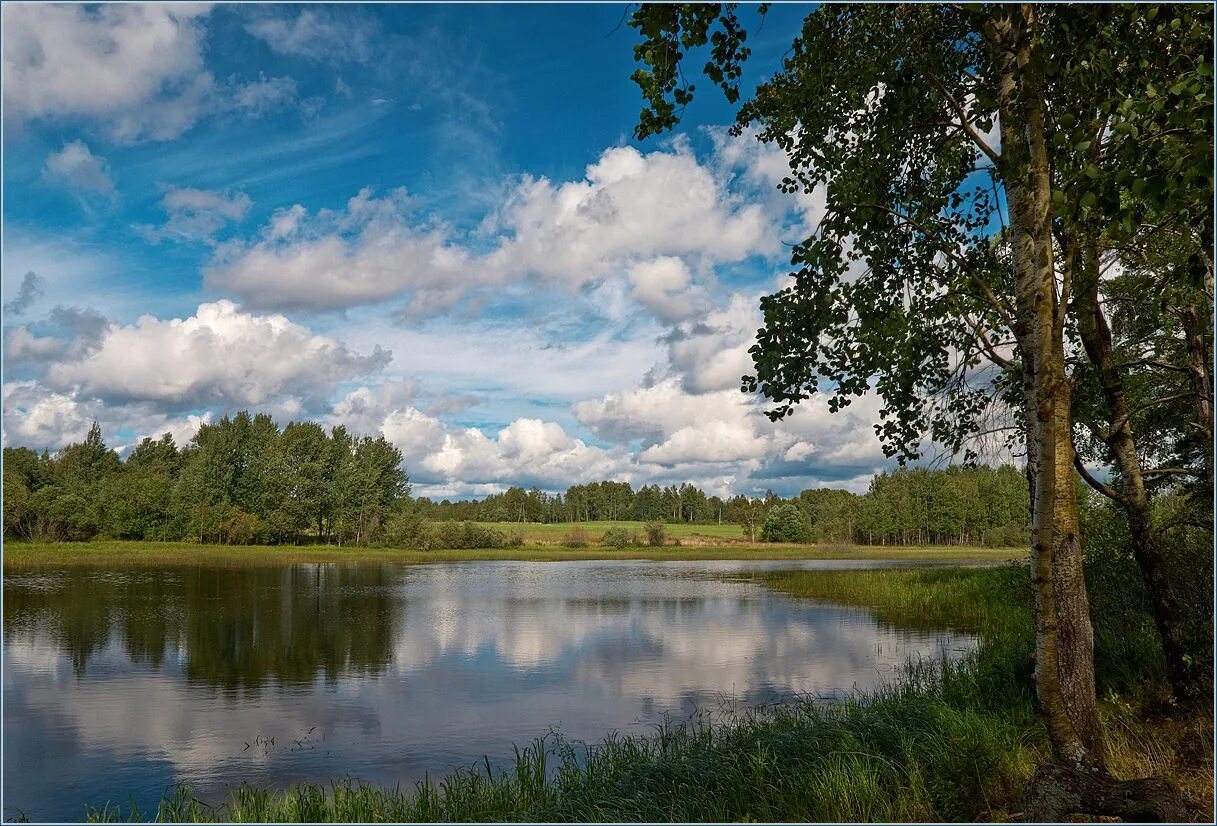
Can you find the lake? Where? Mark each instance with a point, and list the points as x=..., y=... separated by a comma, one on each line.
x=118, y=684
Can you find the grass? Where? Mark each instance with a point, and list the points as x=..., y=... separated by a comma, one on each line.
x=18, y=555
x=952, y=741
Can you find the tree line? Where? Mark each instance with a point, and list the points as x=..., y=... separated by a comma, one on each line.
x=243, y=480
x=907, y=506
x=240, y=480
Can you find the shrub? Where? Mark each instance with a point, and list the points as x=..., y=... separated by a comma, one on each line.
x=577, y=538
x=241, y=528
x=515, y=539
x=785, y=523
x=616, y=538
x=1007, y=536
x=464, y=536
x=656, y=533
x=406, y=529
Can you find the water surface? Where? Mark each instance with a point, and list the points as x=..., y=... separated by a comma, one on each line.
x=118, y=684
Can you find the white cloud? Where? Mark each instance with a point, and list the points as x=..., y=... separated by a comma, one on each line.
x=364, y=409
x=690, y=433
x=665, y=286
x=134, y=69
x=76, y=167
x=22, y=345
x=630, y=206
x=715, y=440
x=221, y=355
x=318, y=35
x=37, y=417
x=137, y=68
x=197, y=214
x=527, y=451
x=654, y=218
x=763, y=166
x=257, y=97
x=712, y=353
x=368, y=252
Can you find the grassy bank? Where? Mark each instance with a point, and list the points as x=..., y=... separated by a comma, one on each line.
x=107, y=553
x=950, y=743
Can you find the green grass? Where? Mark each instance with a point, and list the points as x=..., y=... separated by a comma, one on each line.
x=942, y=742
x=19, y=555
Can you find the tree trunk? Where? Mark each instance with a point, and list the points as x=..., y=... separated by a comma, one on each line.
x=1077, y=780
x=1056, y=791
x=1064, y=639
x=1199, y=362
x=1132, y=497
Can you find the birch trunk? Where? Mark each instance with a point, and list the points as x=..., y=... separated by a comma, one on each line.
x=1064, y=640
x=1199, y=362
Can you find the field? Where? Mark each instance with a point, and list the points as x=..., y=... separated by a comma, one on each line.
x=27, y=554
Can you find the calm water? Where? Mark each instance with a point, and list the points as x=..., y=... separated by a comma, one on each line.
x=117, y=684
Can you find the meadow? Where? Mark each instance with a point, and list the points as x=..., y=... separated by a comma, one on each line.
x=542, y=543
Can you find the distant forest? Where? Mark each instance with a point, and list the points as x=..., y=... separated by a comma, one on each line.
x=245, y=480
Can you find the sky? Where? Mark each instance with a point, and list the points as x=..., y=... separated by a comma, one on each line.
x=430, y=222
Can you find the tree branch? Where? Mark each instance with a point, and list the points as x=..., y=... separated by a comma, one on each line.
x=1106, y=490
x=963, y=121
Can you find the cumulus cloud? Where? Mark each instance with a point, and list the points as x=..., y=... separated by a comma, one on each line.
x=653, y=218
x=84, y=323
x=711, y=353
x=364, y=409
x=37, y=417
x=221, y=355
x=333, y=259
x=197, y=214
x=32, y=288
x=763, y=166
x=134, y=69
x=438, y=456
x=76, y=167
x=691, y=432
x=137, y=68
x=21, y=346
x=77, y=331
x=629, y=206
x=661, y=433
x=665, y=286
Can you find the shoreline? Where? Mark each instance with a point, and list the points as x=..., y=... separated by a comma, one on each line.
x=21, y=555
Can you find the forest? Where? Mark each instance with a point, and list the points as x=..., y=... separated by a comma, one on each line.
x=245, y=480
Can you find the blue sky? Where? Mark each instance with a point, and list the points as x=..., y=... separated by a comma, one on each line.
x=427, y=221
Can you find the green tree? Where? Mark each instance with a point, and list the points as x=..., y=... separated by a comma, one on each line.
x=785, y=523
x=907, y=251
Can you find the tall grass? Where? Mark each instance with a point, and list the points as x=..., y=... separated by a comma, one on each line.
x=99, y=553
x=946, y=741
